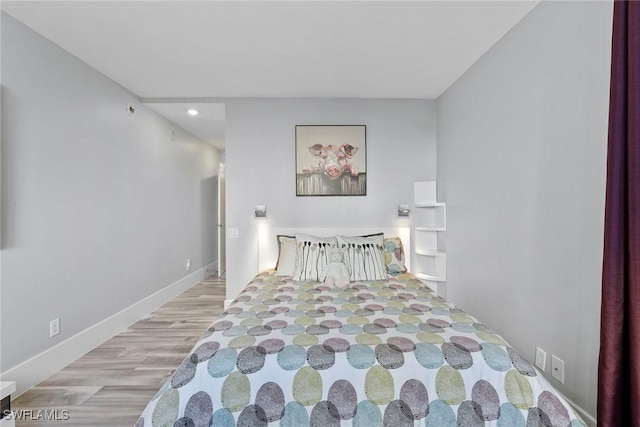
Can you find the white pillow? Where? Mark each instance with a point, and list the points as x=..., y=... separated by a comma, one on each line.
x=312, y=256
x=364, y=257
x=286, y=256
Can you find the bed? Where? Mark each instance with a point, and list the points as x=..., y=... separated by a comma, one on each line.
x=386, y=351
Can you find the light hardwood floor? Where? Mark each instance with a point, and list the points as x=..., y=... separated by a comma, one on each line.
x=111, y=385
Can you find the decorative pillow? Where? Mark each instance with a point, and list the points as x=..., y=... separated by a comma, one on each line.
x=364, y=257
x=394, y=255
x=312, y=256
x=286, y=255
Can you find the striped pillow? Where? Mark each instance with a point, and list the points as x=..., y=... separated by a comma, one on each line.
x=364, y=257
x=312, y=256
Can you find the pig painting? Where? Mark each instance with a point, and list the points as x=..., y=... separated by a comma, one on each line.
x=330, y=160
x=333, y=160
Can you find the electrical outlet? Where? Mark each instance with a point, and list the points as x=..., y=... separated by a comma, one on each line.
x=187, y=264
x=541, y=359
x=557, y=368
x=233, y=233
x=54, y=327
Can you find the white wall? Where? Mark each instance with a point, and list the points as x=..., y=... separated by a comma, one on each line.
x=260, y=167
x=99, y=209
x=521, y=164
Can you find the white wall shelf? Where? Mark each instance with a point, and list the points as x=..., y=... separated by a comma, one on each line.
x=429, y=228
x=429, y=221
x=430, y=278
x=430, y=205
x=431, y=215
x=429, y=253
x=432, y=263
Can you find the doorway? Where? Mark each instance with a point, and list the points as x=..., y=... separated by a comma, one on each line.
x=206, y=120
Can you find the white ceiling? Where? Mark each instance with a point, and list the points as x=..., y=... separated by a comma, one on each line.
x=204, y=49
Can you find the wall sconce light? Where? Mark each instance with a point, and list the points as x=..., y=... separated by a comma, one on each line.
x=260, y=211
x=403, y=210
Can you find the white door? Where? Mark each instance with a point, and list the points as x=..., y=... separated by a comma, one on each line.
x=222, y=234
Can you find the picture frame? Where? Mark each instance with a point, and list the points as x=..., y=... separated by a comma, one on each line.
x=331, y=160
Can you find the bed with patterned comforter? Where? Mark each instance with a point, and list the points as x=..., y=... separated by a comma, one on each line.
x=376, y=353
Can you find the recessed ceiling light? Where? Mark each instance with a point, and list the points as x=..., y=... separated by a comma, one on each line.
x=192, y=112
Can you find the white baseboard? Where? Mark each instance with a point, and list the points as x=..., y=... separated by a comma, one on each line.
x=43, y=365
x=227, y=303
x=211, y=268
x=587, y=417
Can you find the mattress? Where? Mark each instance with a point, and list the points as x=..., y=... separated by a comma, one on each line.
x=377, y=353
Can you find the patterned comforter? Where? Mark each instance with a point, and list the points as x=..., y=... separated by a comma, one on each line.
x=389, y=353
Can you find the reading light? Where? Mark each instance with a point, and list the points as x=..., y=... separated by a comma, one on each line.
x=403, y=210
x=192, y=112
x=260, y=211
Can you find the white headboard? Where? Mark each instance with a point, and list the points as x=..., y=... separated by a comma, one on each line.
x=268, y=244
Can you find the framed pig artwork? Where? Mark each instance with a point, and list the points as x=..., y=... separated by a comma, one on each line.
x=331, y=160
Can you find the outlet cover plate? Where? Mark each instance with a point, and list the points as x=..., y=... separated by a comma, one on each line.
x=557, y=368
x=54, y=328
x=541, y=359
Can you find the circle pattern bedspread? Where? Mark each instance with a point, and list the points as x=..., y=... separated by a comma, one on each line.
x=379, y=353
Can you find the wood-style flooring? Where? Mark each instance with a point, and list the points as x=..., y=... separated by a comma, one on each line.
x=111, y=385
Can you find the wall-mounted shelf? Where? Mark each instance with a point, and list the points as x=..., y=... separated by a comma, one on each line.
x=429, y=253
x=431, y=215
x=430, y=278
x=430, y=228
x=429, y=221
